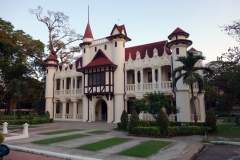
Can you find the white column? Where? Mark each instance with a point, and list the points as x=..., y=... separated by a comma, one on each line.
x=54, y=109
x=63, y=109
x=65, y=85
x=135, y=79
x=5, y=130
x=141, y=75
x=75, y=86
x=153, y=79
x=125, y=75
x=74, y=110
x=25, y=130
x=160, y=78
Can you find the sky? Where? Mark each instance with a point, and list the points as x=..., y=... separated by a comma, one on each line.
x=145, y=21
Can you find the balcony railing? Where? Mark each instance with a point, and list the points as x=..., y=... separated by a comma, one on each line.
x=149, y=87
x=68, y=92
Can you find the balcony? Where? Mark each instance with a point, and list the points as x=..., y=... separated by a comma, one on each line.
x=68, y=92
x=165, y=86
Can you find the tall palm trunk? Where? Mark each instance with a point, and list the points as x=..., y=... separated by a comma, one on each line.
x=193, y=105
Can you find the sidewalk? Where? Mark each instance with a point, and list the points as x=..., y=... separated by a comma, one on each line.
x=181, y=147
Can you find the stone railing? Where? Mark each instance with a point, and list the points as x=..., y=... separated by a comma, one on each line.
x=58, y=116
x=198, y=117
x=130, y=87
x=67, y=92
x=68, y=116
x=166, y=85
x=79, y=116
x=98, y=41
x=147, y=87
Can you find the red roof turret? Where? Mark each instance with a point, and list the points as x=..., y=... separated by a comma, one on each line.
x=51, y=58
x=178, y=31
x=192, y=49
x=88, y=32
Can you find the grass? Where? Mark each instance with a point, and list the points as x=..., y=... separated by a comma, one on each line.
x=104, y=144
x=225, y=119
x=59, y=139
x=98, y=132
x=60, y=131
x=229, y=130
x=19, y=127
x=145, y=149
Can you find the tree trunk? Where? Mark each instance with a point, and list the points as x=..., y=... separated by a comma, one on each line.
x=193, y=105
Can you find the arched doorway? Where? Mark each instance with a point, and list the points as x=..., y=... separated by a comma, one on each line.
x=101, y=113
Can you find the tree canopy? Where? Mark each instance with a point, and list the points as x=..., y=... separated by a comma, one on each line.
x=60, y=35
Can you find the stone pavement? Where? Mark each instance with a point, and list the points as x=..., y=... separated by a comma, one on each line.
x=181, y=148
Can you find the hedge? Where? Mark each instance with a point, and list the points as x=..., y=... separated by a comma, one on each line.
x=187, y=130
x=187, y=124
x=22, y=121
x=145, y=131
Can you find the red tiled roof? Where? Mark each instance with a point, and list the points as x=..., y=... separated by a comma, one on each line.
x=100, y=59
x=88, y=32
x=178, y=31
x=119, y=28
x=149, y=47
x=51, y=58
x=192, y=49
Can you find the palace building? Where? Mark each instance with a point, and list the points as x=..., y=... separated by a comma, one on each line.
x=108, y=77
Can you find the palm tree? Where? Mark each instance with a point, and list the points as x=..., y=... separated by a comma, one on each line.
x=188, y=72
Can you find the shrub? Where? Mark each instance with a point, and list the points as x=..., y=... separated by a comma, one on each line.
x=163, y=122
x=19, y=114
x=119, y=126
x=184, y=130
x=146, y=131
x=124, y=120
x=47, y=114
x=134, y=120
x=144, y=123
x=1, y=138
x=153, y=123
x=30, y=117
x=211, y=120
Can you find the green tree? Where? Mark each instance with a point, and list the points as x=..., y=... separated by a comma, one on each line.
x=188, y=73
x=59, y=34
x=124, y=119
x=163, y=122
x=156, y=101
x=140, y=105
x=134, y=120
x=211, y=120
x=16, y=91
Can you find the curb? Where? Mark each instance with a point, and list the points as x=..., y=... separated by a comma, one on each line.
x=51, y=154
x=192, y=151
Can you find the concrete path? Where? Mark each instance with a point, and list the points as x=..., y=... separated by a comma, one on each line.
x=180, y=148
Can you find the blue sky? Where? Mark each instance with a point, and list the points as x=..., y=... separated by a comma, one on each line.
x=145, y=21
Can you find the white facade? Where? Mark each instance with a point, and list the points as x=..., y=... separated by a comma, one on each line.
x=108, y=77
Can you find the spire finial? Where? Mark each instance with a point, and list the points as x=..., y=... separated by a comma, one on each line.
x=88, y=13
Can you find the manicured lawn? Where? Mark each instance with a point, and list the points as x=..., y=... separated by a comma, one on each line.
x=19, y=127
x=98, y=132
x=60, y=131
x=229, y=130
x=225, y=119
x=104, y=144
x=59, y=139
x=145, y=149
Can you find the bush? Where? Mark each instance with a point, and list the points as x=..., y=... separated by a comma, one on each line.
x=144, y=123
x=145, y=131
x=153, y=123
x=134, y=120
x=34, y=121
x=211, y=120
x=119, y=126
x=19, y=114
x=1, y=138
x=185, y=131
x=47, y=114
x=124, y=120
x=187, y=124
x=163, y=122
x=30, y=117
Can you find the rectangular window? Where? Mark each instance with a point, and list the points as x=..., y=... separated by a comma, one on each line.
x=149, y=77
x=123, y=44
x=129, y=107
x=63, y=84
x=95, y=49
x=68, y=83
x=58, y=84
x=78, y=82
x=84, y=50
x=97, y=78
x=115, y=44
x=177, y=50
x=156, y=75
x=58, y=107
x=133, y=78
x=105, y=47
x=138, y=77
x=67, y=108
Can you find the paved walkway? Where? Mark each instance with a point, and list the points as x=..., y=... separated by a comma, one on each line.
x=181, y=147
